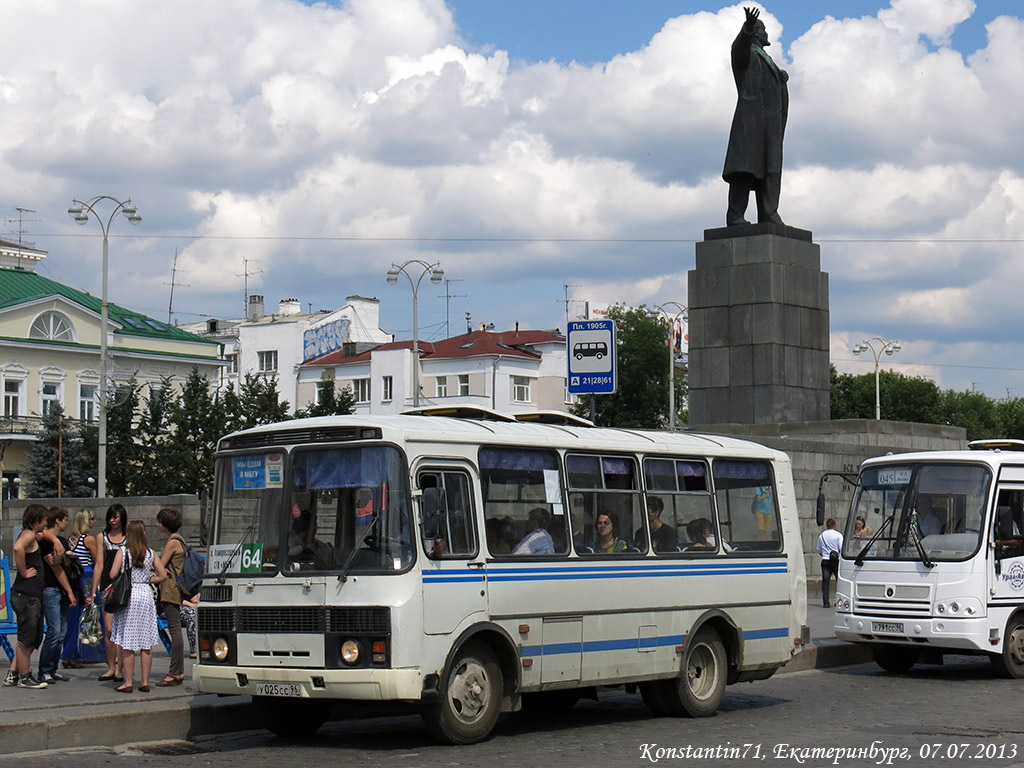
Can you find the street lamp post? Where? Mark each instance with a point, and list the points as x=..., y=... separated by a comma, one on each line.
x=877, y=345
x=436, y=276
x=672, y=320
x=80, y=211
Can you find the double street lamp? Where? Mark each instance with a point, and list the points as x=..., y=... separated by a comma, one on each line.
x=878, y=346
x=436, y=276
x=81, y=211
x=673, y=321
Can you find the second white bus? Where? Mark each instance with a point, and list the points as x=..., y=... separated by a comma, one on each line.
x=469, y=565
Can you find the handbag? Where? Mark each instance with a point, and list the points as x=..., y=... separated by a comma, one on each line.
x=120, y=588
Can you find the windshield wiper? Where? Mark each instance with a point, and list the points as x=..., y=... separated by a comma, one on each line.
x=914, y=531
x=859, y=560
x=250, y=529
x=343, y=576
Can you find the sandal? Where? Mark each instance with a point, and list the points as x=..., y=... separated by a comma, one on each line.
x=168, y=681
x=123, y=689
x=144, y=688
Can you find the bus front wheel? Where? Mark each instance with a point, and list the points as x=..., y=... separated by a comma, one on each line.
x=895, y=658
x=1010, y=663
x=699, y=690
x=291, y=719
x=470, y=698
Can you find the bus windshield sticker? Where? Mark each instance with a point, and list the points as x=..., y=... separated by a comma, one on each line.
x=249, y=472
x=275, y=470
x=894, y=476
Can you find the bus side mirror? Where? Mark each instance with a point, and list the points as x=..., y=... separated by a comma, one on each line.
x=1004, y=523
x=819, y=511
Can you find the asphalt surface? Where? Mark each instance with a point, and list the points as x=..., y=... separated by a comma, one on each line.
x=84, y=712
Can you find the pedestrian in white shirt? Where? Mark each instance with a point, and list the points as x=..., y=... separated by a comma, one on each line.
x=829, y=543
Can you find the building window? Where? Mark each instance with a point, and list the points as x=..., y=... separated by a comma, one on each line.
x=12, y=397
x=387, y=384
x=51, y=396
x=463, y=385
x=441, y=387
x=53, y=326
x=231, y=369
x=361, y=387
x=520, y=389
x=87, y=402
x=268, y=361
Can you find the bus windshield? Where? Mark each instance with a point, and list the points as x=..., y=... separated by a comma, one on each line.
x=940, y=507
x=337, y=509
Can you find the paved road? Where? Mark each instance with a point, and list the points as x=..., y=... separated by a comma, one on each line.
x=954, y=715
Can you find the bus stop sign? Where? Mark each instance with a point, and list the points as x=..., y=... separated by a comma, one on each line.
x=591, y=355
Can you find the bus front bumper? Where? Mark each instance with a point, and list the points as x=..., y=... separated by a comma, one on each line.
x=354, y=684
x=959, y=634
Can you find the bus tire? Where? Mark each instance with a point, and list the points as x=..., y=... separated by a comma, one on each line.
x=895, y=658
x=650, y=692
x=1010, y=663
x=470, y=700
x=291, y=719
x=699, y=690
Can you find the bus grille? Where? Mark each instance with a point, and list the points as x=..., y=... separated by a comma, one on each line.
x=215, y=593
x=309, y=435
x=889, y=600
x=360, y=620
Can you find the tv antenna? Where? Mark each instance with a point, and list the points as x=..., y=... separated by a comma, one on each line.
x=448, y=296
x=567, y=300
x=245, y=283
x=21, y=228
x=174, y=272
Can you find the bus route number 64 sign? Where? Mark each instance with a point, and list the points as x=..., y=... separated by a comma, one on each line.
x=590, y=345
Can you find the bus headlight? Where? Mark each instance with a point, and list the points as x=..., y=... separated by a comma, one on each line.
x=221, y=649
x=350, y=651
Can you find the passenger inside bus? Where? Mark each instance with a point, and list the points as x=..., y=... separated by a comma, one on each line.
x=698, y=531
x=608, y=541
x=927, y=521
x=537, y=540
x=663, y=536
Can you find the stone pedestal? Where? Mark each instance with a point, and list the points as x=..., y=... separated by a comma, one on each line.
x=758, y=323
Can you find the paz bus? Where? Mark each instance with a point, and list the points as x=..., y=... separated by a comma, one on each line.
x=473, y=563
x=940, y=568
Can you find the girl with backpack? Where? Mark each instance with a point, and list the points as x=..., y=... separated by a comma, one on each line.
x=173, y=559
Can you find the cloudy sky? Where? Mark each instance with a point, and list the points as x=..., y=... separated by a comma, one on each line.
x=538, y=150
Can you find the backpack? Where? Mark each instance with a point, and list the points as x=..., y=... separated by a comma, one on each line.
x=191, y=577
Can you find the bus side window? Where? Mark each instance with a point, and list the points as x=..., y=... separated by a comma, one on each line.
x=447, y=510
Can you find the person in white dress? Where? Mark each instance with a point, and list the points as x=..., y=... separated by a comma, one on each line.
x=135, y=627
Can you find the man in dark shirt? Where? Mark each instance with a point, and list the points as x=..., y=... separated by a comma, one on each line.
x=663, y=537
x=58, y=596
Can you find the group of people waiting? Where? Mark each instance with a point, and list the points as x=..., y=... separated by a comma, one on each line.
x=49, y=606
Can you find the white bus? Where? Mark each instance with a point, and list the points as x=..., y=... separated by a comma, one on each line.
x=466, y=564
x=941, y=566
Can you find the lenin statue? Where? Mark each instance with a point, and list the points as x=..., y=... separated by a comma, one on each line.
x=754, y=158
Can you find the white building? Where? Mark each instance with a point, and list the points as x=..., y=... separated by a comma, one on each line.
x=513, y=371
x=277, y=344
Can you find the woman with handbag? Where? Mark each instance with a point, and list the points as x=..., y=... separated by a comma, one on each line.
x=135, y=626
x=107, y=544
x=173, y=559
x=83, y=546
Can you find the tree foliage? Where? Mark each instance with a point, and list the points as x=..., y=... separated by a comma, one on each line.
x=57, y=464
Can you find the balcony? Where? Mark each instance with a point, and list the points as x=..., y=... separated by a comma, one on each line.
x=25, y=426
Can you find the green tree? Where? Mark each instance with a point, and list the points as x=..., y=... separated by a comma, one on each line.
x=57, y=464
x=975, y=412
x=331, y=402
x=259, y=402
x=902, y=398
x=642, y=352
x=1011, y=416
x=124, y=457
x=162, y=463
x=198, y=422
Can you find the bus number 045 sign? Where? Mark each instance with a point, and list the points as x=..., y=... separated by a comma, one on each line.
x=590, y=345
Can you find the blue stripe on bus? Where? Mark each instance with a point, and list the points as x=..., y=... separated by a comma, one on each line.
x=633, y=643
x=535, y=573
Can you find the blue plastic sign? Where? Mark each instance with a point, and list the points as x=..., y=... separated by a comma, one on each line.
x=590, y=345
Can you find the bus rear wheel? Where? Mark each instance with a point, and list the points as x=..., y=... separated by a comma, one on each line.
x=699, y=690
x=470, y=698
x=895, y=658
x=291, y=719
x=1010, y=663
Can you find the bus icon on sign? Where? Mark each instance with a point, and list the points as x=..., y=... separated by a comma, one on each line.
x=596, y=349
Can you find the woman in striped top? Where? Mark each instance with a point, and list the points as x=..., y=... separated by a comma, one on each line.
x=83, y=546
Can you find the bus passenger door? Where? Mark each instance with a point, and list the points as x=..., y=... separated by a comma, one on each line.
x=454, y=567
x=1007, y=572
